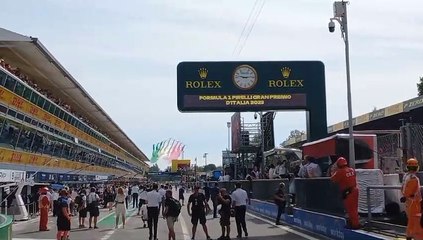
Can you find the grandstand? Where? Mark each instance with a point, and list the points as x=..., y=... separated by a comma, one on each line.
x=49, y=122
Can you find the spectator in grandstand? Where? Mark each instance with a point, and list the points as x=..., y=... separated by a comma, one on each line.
x=302, y=173
x=2, y=63
x=280, y=169
x=255, y=173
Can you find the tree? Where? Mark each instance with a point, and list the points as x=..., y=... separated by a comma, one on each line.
x=293, y=134
x=420, y=87
x=154, y=168
x=209, y=167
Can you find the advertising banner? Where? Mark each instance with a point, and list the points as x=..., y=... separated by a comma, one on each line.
x=12, y=175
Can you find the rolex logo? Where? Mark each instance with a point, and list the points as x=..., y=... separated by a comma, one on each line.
x=203, y=73
x=285, y=72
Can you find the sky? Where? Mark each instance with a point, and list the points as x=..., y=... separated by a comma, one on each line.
x=125, y=53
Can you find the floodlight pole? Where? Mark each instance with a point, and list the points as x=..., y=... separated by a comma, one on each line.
x=340, y=15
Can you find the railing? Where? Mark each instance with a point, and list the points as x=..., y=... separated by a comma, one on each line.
x=382, y=226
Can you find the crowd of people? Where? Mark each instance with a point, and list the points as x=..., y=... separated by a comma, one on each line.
x=33, y=84
x=151, y=200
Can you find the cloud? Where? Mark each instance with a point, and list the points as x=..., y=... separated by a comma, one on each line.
x=125, y=54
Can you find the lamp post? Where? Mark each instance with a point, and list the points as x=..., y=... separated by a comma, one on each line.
x=340, y=15
x=262, y=141
x=205, y=159
x=228, y=124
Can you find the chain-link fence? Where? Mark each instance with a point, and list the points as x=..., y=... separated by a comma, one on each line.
x=412, y=139
x=389, y=152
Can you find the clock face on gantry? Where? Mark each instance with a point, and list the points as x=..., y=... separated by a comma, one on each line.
x=245, y=77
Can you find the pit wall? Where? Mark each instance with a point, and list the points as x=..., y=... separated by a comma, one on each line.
x=323, y=224
x=5, y=227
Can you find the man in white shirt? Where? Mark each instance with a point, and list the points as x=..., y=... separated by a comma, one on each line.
x=54, y=198
x=93, y=203
x=135, y=189
x=313, y=170
x=153, y=200
x=143, y=198
x=162, y=193
x=239, y=202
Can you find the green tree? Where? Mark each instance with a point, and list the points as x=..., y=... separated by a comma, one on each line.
x=209, y=167
x=420, y=87
x=154, y=168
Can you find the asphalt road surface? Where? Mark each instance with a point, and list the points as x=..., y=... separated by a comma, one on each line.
x=259, y=229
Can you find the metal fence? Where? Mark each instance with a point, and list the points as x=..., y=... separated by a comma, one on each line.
x=390, y=152
x=412, y=139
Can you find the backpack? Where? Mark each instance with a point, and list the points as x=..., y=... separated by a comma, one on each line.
x=175, y=206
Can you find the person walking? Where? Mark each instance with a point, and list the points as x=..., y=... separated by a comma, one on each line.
x=181, y=195
x=44, y=206
x=63, y=216
x=225, y=200
x=135, y=190
x=120, y=209
x=93, y=204
x=412, y=199
x=280, y=201
x=345, y=177
x=239, y=202
x=172, y=209
x=197, y=208
x=153, y=200
x=143, y=198
x=214, y=193
x=81, y=202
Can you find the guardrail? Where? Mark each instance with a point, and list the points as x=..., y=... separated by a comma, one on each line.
x=398, y=229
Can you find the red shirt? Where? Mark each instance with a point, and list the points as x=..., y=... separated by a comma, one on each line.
x=345, y=177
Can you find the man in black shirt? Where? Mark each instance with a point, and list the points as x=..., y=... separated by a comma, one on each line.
x=225, y=213
x=280, y=201
x=171, y=213
x=198, y=211
x=214, y=192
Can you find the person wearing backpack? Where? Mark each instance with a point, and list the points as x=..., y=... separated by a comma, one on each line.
x=172, y=209
x=81, y=204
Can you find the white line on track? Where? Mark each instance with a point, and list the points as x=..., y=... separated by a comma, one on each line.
x=184, y=227
x=110, y=233
x=31, y=239
x=287, y=229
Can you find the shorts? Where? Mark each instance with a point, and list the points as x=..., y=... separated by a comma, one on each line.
x=170, y=222
x=63, y=224
x=94, y=211
x=225, y=219
x=198, y=216
x=83, y=213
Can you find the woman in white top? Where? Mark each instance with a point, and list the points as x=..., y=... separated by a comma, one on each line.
x=120, y=206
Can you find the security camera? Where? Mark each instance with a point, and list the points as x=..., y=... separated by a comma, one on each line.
x=255, y=115
x=331, y=26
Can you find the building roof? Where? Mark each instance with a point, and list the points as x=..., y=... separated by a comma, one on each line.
x=388, y=118
x=37, y=62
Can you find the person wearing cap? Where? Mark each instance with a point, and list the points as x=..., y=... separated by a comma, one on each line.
x=44, y=206
x=412, y=199
x=345, y=177
x=280, y=201
x=197, y=208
